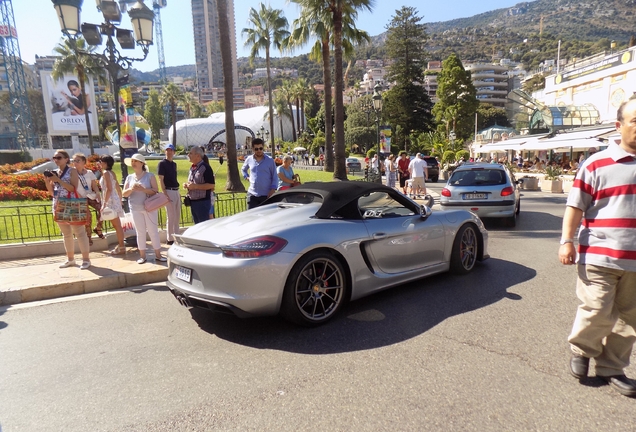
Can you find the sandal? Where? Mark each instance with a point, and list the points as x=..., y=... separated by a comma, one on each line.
x=118, y=251
x=99, y=233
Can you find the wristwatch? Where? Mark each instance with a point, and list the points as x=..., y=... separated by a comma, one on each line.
x=566, y=240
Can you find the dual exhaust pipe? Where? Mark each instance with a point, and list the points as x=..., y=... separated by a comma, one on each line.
x=184, y=301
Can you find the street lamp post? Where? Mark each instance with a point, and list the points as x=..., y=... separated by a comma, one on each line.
x=111, y=59
x=377, y=108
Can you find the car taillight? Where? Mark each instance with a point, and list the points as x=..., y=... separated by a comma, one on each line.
x=255, y=248
x=446, y=192
x=507, y=191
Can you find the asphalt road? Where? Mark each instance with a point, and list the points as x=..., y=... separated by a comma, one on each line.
x=485, y=352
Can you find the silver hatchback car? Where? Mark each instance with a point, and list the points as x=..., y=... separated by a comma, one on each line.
x=488, y=190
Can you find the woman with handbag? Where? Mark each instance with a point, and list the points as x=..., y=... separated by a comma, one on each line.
x=88, y=189
x=138, y=187
x=286, y=176
x=111, y=201
x=62, y=184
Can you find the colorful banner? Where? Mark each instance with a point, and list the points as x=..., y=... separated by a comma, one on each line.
x=65, y=111
x=385, y=139
x=127, y=133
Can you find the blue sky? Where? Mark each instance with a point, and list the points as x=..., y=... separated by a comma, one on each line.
x=39, y=30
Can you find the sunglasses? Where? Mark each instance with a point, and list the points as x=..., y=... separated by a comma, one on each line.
x=77, y=160
x=58, y=157
x=258, y=148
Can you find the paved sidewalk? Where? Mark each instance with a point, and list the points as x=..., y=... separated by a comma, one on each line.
x=40, y=278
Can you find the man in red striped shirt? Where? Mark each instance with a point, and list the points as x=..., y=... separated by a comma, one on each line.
x=603, y=198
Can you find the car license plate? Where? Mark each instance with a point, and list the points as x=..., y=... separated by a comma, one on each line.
x=183, y=273
x=474, y=196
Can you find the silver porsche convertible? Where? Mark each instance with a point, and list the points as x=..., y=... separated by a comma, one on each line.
x=310, y=249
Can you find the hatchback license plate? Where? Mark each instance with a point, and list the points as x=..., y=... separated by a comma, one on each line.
x=474, y=196
x=183, y=273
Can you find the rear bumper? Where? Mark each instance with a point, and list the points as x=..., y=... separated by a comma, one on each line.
x=500, y=209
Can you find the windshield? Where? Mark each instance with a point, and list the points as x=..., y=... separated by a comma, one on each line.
x=478, y=177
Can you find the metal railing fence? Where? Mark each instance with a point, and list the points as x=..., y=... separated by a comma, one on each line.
x=34, y=222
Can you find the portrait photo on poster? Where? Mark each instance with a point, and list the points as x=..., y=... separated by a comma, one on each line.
x=64, y=105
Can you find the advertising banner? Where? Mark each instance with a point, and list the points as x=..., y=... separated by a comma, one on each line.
x=385, y=139
x=64, y=107
x=128, y=135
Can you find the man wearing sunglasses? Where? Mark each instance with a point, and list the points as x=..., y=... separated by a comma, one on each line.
x=262, y=175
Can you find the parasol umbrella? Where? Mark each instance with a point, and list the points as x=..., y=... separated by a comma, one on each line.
x=299, y=149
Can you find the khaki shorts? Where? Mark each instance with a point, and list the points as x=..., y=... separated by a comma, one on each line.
x=418, y=182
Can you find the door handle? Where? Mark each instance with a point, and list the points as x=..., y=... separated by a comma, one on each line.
x=379, y=236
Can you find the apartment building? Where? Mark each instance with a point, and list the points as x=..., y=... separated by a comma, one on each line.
x=207, y=46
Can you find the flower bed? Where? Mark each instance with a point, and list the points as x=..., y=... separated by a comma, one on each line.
x=23, y=187
x=8, y=169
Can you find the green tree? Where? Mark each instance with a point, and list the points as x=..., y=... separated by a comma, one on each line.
x=457, y=101
x=287, y=93
x=215, y=107
x=188, y=103
x=332, y=23
x=74, y=58
x=407, y=104
x=268, y=27
x=154, y=113
x=488, y=115
x=339, y=9
x=405, y=41
x=171, y=95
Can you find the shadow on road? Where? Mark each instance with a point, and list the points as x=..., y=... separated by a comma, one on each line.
x=389, y=317
x=529, y=224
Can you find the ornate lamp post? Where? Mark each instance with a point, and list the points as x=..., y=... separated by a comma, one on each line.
x=142, y=18
x=377, y=108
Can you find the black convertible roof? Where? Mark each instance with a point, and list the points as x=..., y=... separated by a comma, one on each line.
x=335, y=195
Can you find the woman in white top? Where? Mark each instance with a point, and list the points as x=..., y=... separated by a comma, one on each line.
x=111, y=198
x=88, y=189
x=138, y=186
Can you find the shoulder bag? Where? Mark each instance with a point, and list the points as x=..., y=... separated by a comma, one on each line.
x=72, y=210
x=155, y=202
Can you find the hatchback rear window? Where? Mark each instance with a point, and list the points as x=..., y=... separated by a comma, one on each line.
x=478, y=178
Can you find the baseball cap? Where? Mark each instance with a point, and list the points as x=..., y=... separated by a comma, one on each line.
x=171, y=147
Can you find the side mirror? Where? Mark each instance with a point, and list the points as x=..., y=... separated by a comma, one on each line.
x=425, y=212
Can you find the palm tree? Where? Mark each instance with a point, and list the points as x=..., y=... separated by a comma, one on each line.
x=74, y=58
x=286, y=92
x=268, y=26
x=305, y=92
x=318, y=19
x=233, y=182
x=188, y=103
x=283, y=109
x=171, y=95
x=339, y=9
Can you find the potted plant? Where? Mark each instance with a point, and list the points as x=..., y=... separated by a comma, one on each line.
x=530, y=183
x=552, y=181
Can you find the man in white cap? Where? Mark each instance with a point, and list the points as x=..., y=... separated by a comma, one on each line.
x=167, y=171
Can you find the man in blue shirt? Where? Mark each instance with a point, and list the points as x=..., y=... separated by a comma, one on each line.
x=262, y=175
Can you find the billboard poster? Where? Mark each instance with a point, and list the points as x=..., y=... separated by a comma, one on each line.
x=128, y=135
x=385, y=139
x=64, y=107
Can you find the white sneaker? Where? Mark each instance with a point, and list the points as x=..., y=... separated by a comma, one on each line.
x=69, y=263
x=85, y=265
